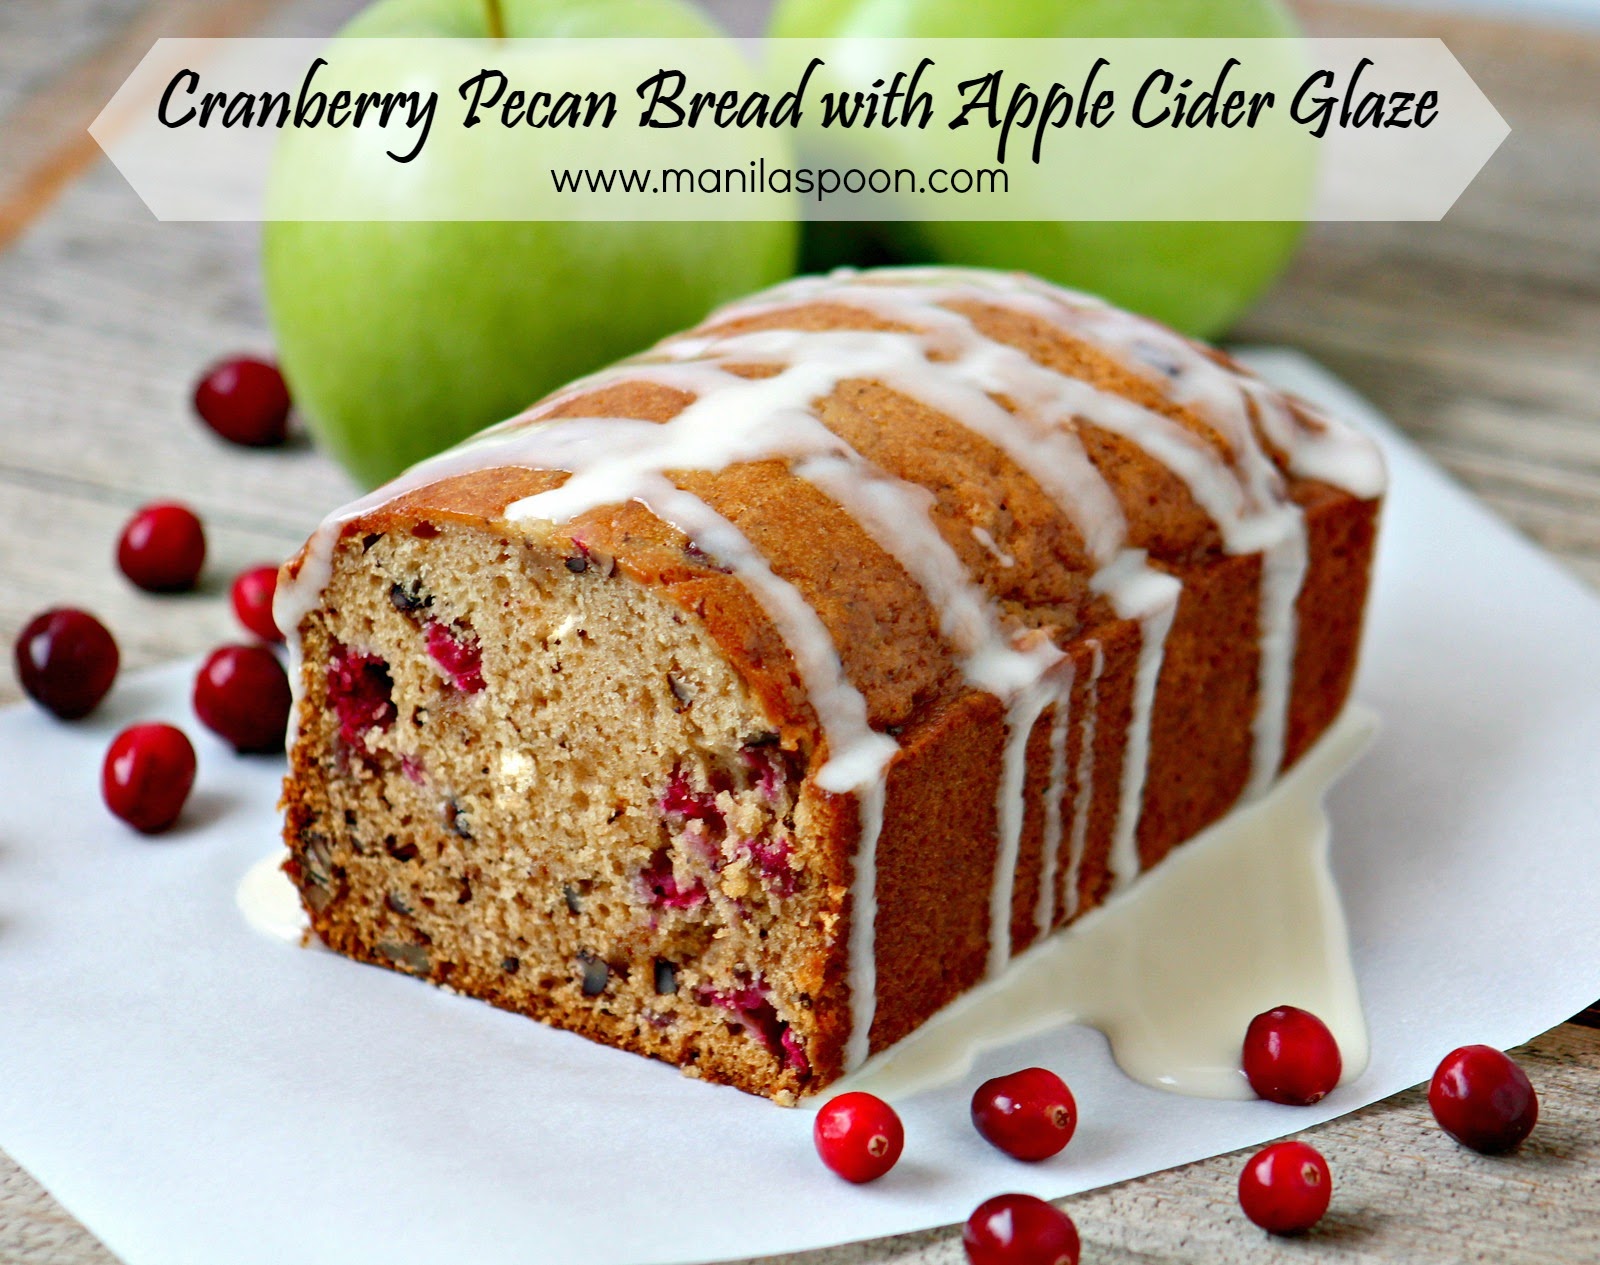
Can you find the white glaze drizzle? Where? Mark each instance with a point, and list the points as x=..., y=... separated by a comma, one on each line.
x=1283, y=571
x=1022, y=713
x=1044, y=913
x=1151, y=598
x=863, y=945
x=1084, y=799
x=940, y=359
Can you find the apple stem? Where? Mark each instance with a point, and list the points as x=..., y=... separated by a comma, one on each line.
x=497, y=22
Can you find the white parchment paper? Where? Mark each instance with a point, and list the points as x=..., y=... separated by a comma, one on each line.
x=197, y=1093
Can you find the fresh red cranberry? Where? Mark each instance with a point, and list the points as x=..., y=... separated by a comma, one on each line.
x=858, y=1136
x=252, y=595
x=162, y=548
x=1482, y=1099
x=242, y=695
x=1285, y=1189
x=245, y=401
x=1291, y=1057
x=66, y=661
x=147, y=776
x=1030, y=1115
x=1020, y=1230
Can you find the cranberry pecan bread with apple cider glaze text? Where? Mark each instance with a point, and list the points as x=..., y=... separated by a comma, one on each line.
x=744, y=704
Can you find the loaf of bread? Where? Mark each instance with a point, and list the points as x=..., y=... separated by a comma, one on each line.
x=744, y=704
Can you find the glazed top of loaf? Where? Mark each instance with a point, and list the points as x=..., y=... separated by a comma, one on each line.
x=981, y=449
x=883, y=488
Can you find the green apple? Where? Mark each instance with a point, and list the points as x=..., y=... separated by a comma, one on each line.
x=1197, y=276
x=399, y=337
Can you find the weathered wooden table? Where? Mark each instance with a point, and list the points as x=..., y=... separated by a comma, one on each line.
x=1479, y=335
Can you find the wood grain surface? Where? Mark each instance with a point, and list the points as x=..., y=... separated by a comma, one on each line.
x=1479, y=335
